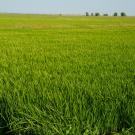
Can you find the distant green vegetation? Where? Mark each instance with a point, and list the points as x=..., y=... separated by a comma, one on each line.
x=64, y=75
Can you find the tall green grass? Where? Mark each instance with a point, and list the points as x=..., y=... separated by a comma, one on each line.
x=67, y=75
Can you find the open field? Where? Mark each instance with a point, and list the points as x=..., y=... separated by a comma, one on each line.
x=67, y=75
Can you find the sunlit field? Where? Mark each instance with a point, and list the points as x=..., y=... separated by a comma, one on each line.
x=67, y=75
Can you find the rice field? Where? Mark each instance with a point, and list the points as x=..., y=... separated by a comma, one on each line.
x=67, y=75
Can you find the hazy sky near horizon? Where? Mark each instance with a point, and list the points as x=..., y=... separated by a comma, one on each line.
x=67, y=6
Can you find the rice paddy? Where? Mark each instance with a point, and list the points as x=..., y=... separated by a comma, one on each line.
x=67, y=75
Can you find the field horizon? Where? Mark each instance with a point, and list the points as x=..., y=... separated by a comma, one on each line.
x=66, y=14
x=67, y=75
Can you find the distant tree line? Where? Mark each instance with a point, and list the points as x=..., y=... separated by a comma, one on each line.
x=98, y=14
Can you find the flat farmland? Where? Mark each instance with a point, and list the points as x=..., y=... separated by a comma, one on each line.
x=67, y=75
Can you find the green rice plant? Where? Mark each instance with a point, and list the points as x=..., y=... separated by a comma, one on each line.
x=67, y=75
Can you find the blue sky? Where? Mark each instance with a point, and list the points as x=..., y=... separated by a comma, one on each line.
x=67, y=6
